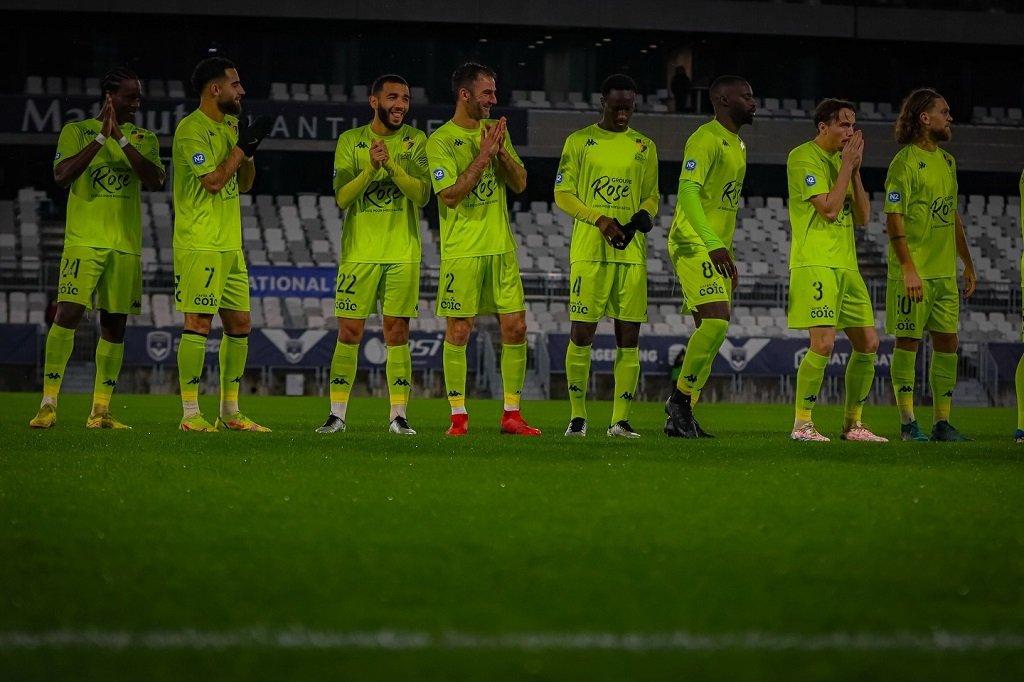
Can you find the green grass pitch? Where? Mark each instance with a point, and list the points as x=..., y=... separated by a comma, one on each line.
x=159, y=555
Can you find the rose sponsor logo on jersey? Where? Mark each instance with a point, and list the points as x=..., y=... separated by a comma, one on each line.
x=942, y=210
x=382, y=194
x=110, y=179
x=611, y=190
x=731, y=195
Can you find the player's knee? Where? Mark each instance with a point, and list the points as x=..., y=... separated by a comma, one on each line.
x=69, y=314
x=199, y=324
x=458, y=331
x=112, y=327
x=514, y=330
x=823, y=346
x=715, y=326
x=396, y=331
x=349, y=333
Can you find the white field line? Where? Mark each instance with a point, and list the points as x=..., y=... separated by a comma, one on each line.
x=395, y=640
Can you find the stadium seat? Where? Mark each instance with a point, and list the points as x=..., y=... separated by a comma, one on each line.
x=175, y=89
x=279, y=91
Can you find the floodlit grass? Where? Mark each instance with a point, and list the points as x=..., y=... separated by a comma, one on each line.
x=744, y=536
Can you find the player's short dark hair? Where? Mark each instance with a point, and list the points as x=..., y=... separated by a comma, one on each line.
x=828, y=110
x=208, y=70
x=112, y=79
x=617, y=81
x=908, y=123
x=465, y=75
x=379, y=84
x=723, y=82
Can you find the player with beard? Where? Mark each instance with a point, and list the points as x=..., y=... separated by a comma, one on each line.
x=608, y=182
x=103, y=161
x=473, y=165
x=926, y=235
x=381, y=182
x=212, y=155
x=700, y=241
x=826, y=291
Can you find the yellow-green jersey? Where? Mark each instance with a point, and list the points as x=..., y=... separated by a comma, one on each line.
x=382, y=224
x=811, y=171
x=205, y=221
x=479, y=225
x=613, y=173
x=922, y=187
x=715, y=159
x=104, y=204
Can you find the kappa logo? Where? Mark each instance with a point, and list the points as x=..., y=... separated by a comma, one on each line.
x=947, y=394
x=158, y=345
x=294, y=349
x=459, y=142
x=237, y=380
x=894, y=197
x=811, y=398
x=439, y=174
x=739, y=357
x=194, y=381
x=626, y=395
x=691, y=165
x=921, y=165
x=401, y=382
x=591, y=142
x=340, y=381
x=906, y=389
x=811, y=181
x=692, y=378
x=573, y=388
x=198, y=159
x=53, y=375
x=454, y=394
x=362, y=145
x=110, y=382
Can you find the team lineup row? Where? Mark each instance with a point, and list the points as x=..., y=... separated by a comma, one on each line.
x=607, y=180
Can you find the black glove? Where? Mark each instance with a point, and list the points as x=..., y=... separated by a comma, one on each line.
x=641, y=222
x=251, y=134
x=628, y=233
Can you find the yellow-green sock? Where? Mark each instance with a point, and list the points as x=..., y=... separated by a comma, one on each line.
x=808, y=384
x=627, y=372
x=191, y=359
x=700, y=354
x=344, y=364
x=577, y=378
x=860, y=373
x=513, y=373
x=943, y=378
x=399, y=375
x=108, y=367
x=454, y=361
x=60, y=341
x=234, y=349
x=902, y=372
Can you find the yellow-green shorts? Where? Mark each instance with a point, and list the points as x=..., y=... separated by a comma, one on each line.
x=115, y=277
x=939, y=311
x=828, y=297
x=700, y=282
x=478, y=285
x=616, y=290
x=361, y=285
x=208, y=281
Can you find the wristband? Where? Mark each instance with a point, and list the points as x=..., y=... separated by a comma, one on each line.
x=123, y=142
x=101, y=139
